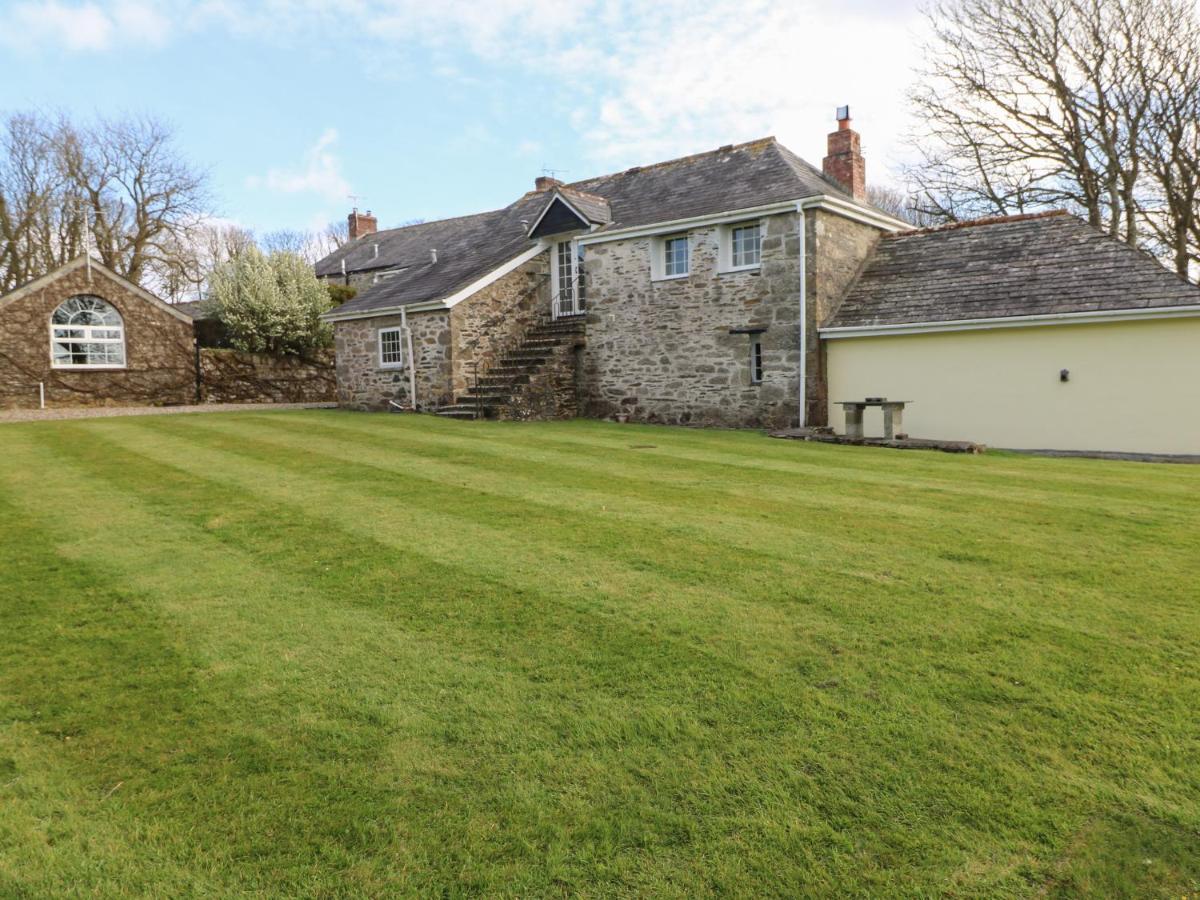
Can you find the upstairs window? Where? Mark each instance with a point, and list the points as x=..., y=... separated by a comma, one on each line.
x=745, y=246
x=391, y=348
x=87, y=332
x=675, y=256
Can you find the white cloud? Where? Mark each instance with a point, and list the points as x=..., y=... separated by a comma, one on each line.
x=733, y=71
x=87, y=26
x=639, y=82
x=319, y=173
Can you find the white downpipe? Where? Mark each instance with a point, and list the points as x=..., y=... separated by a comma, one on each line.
x=41, y=395
x=412, y=362
x=802, y=229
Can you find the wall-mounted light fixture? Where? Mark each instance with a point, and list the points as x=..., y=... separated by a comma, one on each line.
x=1064, y=375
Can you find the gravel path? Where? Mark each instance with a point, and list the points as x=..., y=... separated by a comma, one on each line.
x=102, y=412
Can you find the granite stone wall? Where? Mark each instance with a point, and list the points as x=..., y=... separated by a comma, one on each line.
x=494, y=319
x=362, y=384
x=446, y=343
x=838, y=249
x=159, y=353
x=550, y=393
x=670, y=351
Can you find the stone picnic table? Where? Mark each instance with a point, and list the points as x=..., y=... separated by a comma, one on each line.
x=893, y=416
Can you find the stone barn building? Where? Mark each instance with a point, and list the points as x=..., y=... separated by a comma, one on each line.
x=84, y=336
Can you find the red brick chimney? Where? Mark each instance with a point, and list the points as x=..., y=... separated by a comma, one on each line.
x=545, y=183
x=362, y=224
x=845, y=163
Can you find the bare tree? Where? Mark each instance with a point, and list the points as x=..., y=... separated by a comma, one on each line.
x=899, y=204
x=336, y=235
x=194, y=255
x=1026, y=104
x=122, y=180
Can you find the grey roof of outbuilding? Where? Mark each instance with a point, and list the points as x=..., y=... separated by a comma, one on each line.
x=1031, y=265
x=730, y=178
x=197, y=309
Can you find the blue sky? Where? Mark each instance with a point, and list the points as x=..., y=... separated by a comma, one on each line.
x=434, y=109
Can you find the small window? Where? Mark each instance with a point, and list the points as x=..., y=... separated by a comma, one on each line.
x=391, y=348
x=675, y=256
x=87, y=332
x=745, y=245
x=756, y=361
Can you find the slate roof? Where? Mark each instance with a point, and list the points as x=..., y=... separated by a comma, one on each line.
x=197, y=309
x=467, y=247
x=1029, y=265
x=596, y=208
x=732, y=177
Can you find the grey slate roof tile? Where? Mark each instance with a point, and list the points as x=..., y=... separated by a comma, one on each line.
x=1018, y=266
x=733, y=177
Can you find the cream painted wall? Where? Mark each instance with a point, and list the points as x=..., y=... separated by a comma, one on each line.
x=1134, y=386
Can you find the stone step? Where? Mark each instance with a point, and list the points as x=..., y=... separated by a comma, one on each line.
x=457, y=412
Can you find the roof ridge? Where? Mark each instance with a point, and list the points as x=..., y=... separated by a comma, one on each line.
x=565, y=187
x=486, y=212
x=724, y=148
x=984, y=221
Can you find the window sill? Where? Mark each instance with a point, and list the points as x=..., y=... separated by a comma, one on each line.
x=656, y=278
x=88, y=368
x=736, y=269
x=392, y=368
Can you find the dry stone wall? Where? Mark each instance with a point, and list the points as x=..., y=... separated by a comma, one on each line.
x=233, y=376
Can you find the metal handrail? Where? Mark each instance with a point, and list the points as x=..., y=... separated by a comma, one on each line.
x=556, y=300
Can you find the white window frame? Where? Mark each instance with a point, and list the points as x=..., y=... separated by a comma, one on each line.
x=579, y=298
x=87, y=334
x=658, y=257
x=399, y=332
x=725, y=251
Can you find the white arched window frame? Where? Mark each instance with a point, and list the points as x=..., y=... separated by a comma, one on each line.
x=87, y=332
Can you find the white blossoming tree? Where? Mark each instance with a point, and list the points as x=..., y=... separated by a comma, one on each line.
x=271, y=304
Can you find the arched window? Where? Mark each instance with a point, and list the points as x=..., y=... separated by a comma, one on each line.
x=87, y=333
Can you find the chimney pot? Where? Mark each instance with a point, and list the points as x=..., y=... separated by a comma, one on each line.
x=845, y=163
x=361, y=224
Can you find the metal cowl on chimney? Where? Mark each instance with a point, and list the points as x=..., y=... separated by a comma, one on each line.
x=845, y=163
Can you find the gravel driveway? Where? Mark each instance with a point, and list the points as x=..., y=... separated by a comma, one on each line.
x=102, y=412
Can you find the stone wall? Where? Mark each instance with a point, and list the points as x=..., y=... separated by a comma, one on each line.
x=494, y=319
x=446, y=342
x=662, y=351
x=362, y=384
x=159, y=356
x=233, y=376
x=837, y=250
x=553, y=391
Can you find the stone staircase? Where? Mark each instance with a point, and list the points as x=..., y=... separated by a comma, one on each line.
x=498, y=387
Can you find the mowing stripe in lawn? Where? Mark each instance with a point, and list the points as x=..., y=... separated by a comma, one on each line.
x=407, y=656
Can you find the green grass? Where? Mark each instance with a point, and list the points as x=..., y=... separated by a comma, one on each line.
x=328, y=654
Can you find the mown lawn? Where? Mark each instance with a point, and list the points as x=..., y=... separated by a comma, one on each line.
x=328, y=654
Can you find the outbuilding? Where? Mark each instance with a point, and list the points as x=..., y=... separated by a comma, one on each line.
x=1026, y=332
x=82, y=335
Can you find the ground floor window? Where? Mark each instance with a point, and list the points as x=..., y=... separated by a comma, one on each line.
x=756, y=361
x=391, y=348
